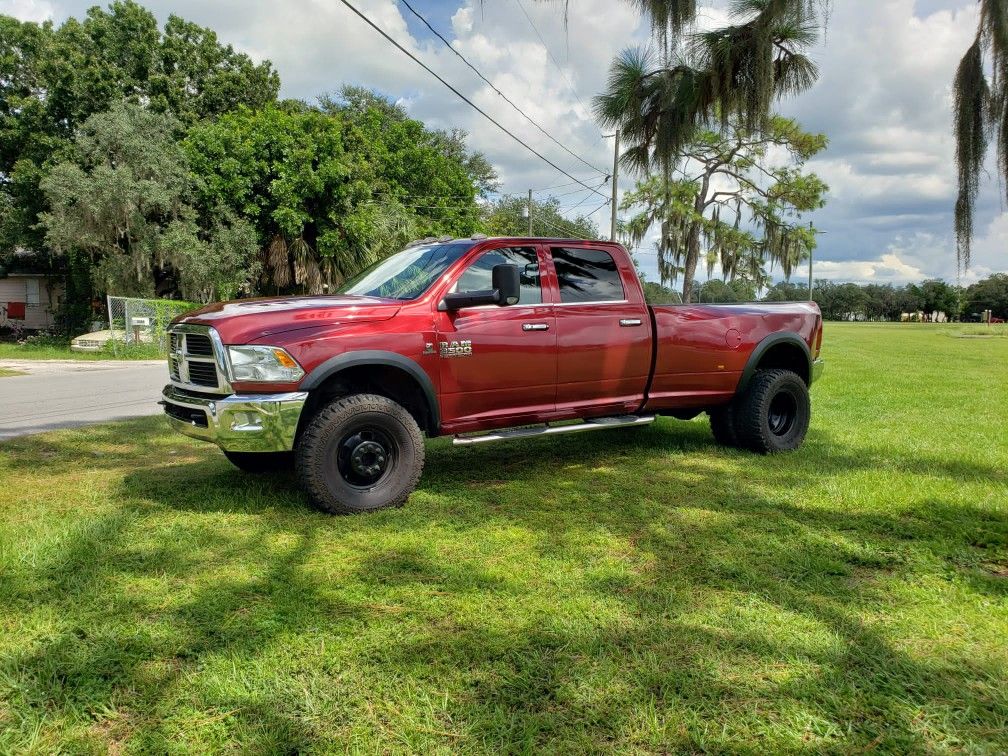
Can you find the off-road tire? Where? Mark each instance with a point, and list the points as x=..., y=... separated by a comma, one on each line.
x=261, y=462
x=722, y=424
x=771, y=396
x=320, y=449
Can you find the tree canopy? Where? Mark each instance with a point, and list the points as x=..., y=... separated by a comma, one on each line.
x=122, y=207
x=52, y=79
x=330, y=191
x=727, y=197
x=988, y=294
x=507, y=216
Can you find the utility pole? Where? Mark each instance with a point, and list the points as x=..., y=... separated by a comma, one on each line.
x=820, y=233
x=810, y=268
x=530, y=212
x=615, y=183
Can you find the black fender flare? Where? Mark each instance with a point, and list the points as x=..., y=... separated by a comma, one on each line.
x=774, y=339
x=364, y=357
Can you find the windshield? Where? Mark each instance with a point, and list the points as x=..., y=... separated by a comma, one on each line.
x=406, y=274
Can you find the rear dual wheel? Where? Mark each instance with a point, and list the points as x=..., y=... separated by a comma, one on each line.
x=772, y=415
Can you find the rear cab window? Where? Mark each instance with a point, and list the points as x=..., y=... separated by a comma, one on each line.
x=586, y=275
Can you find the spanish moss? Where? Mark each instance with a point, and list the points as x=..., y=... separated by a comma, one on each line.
x=972, y=113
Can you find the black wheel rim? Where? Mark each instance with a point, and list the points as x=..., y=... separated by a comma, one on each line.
x=365, y=456
x=782, y=415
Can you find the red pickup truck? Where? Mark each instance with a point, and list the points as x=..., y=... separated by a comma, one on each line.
x=467, y=337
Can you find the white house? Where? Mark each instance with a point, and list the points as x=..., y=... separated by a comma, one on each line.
x=29, y=300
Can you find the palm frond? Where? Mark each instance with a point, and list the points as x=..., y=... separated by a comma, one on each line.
x=307, y=273
x=276, y=263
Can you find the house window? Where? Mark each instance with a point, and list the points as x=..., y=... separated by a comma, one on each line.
x=32, y=291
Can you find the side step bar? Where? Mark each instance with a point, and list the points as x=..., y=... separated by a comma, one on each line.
x=598, y=423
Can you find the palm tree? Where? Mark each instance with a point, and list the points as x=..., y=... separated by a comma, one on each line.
x=688, y=80
x=981, y=111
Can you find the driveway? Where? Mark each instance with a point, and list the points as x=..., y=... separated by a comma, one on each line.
x=66, y=393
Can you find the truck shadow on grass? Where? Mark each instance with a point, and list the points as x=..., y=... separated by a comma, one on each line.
x=628, y=589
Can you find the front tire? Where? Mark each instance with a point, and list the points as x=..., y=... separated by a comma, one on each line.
x=360, y=453
x=774, y=412
x=261, y=462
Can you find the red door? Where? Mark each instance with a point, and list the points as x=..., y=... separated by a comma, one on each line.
x=603, y=333
x=498, y=365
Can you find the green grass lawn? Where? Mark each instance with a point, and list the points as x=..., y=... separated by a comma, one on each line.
x=634, y=590
x=10, y=351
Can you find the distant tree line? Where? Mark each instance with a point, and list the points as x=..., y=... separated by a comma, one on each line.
x=863, y=302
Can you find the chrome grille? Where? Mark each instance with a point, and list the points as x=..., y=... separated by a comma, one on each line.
x=194, y=361
x=203, y=374
x=198, y=344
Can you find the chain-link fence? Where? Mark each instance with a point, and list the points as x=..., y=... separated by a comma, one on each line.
x=143, y=321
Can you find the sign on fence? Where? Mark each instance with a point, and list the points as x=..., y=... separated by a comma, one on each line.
x=143, y=321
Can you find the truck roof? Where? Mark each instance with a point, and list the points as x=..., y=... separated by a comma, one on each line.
x=484, y=237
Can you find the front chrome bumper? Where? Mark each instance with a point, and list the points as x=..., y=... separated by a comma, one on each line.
x=817, y=369
x=250, y=423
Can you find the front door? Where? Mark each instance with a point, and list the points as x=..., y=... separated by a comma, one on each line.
x=498, y=364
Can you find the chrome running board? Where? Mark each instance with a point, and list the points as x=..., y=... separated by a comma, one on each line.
x=595, y=424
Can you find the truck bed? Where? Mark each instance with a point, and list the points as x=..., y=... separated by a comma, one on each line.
x=701, y=350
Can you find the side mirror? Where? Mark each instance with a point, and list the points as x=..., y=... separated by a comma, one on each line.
x=506, y=281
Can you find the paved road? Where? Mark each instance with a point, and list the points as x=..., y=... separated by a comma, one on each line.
x=66, y=393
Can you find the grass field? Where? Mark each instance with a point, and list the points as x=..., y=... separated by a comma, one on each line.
x=638, y=590
x=10, y=351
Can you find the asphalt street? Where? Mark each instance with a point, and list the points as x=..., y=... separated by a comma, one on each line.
x=64, y=394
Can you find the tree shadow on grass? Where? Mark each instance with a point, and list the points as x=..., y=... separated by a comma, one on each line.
x=728, y=619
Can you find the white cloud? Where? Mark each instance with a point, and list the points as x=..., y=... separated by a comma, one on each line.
x=889, y=268
x=28, y=10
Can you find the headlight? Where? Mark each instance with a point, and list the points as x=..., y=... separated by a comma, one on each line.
x=263, y=363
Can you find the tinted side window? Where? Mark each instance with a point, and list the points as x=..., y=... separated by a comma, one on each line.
x=587, y=275
x=479, y=275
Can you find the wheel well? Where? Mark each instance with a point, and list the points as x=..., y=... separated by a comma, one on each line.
x=786, y=356
x=384, y=380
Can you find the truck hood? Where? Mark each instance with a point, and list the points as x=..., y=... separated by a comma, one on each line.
x=245, y=320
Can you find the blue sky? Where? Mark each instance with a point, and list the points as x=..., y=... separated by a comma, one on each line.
x=883, y=99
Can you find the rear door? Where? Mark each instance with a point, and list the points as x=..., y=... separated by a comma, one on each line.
x=498, y=364
x=603, y=332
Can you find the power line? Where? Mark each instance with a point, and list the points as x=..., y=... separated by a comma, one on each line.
x=550, y=224
x=570, y=84
x=557, y=186
x=462, y=97
x=586, y=198
x=567, y=194
x=503, y=96
x=589, y=215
